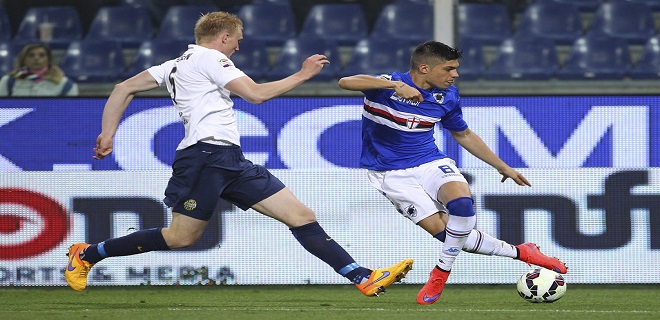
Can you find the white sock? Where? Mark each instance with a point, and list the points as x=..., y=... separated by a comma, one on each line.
x=483, y=243
x=458, y=229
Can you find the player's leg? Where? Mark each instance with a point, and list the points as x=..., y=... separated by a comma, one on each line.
x=286, y=208
x=482, y=243
x=182, y=232
x=477, y=242
x=190, y=180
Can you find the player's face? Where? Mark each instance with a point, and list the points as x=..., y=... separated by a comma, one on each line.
x=232, y=43
x=36, y=59
x=443, y=74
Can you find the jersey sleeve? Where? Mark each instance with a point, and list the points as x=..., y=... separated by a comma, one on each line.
x=159, y=72
x=217, y=67
x=453, y=120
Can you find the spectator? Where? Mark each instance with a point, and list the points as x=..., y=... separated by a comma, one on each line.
x=35, y=75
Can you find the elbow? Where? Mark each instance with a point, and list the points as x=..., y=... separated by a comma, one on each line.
x=342, y=83
x=255, y=99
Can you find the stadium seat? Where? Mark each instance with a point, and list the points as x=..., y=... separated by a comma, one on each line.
x=524, y=58
x=252, y=58
x=344, y=23
x=648, y=66
x=595, y=58
x=653, y=4
x=271, y=24
x=129, y=26
x=179, y=22
x=93, y=61
x=472, y=64
x=488, y=22
x=583, y=5
x=560, y=22
x=376, y=56
x=154, y=52
x=631, y=21
x=9, y=50
x=5, y=27
x=405, y=23
x=296, y=50
x=135, y=3
x=66, y=21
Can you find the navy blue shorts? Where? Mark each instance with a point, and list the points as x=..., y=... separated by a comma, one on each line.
x=203, y=173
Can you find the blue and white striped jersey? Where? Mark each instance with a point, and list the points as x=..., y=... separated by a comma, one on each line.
x=398, y=133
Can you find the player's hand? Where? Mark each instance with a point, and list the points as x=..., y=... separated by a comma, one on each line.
x=313, y=65
x=103, y=147
x=515, y=176
x=407, y=92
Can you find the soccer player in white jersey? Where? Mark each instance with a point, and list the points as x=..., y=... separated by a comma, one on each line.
x=209, y=164
x=400, y=112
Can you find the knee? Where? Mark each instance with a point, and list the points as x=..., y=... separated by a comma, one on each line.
x=461, y=207
x=176, y=241
x=302, y=217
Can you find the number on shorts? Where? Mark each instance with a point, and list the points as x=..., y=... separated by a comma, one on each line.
x=446, y=169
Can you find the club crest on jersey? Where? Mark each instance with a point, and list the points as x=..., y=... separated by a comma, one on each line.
x=413, y=122
x=411, y=210
x=439, y=97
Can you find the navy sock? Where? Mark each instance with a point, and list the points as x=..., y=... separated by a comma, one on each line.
x=441, y=235
x=134, y=243
x=314, y=239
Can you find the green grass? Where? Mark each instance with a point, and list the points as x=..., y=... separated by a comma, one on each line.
x=583, y=302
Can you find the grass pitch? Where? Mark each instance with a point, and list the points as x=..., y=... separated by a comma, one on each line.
x=583, y=302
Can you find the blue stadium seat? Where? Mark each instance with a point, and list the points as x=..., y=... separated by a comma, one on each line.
x=344, y=23
x=93, y=61
x=296, y=50
x=488, y=22
x=135, y=3
x=583, y=5
x=9, y=50
x=472, y=63
x=653, y=4
x=154, y=52
x=648, y=66
x=595, y=58
x=66, y=22
x=524, y=58
x=129, y=26
x=5, y=27
x=252, y=58
x=271, y=24
x=405, y=22
x=376, y=56
x=560, y=22
x=631, y=21
x=179, y=22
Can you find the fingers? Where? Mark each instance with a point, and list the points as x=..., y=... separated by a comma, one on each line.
x=518, y=179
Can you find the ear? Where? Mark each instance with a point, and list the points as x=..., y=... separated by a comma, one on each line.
x=225, y=37
x=423, y=68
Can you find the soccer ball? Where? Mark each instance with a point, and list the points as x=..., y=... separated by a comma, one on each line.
x=541, y=285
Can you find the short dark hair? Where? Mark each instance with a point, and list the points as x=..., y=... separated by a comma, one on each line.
x=432, y=53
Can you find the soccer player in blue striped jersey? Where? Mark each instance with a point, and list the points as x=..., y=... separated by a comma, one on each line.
x=209, y=164
x=404, y=163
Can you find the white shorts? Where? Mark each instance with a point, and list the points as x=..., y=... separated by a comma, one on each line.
x=414, y=191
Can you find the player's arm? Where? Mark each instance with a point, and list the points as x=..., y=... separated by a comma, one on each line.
x=474, y=145
x=258, y=93
x=362, y=82
x=121, y=96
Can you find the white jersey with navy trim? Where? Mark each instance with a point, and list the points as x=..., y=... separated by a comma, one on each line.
x=398, y=133
x=196, y=83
